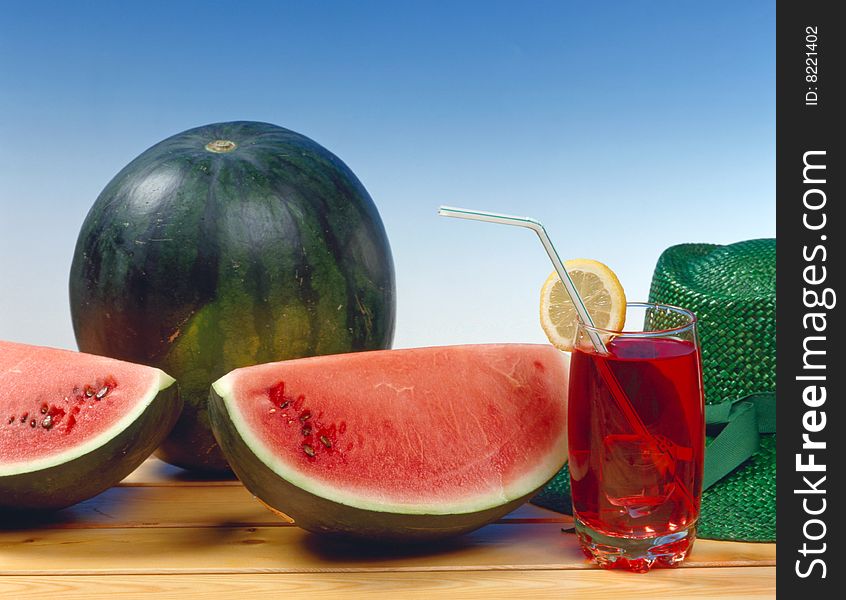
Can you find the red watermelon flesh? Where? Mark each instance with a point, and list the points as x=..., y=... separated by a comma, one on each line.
x=64, y=413
x=431, y=431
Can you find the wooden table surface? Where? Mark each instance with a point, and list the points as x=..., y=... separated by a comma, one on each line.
x=164, y=532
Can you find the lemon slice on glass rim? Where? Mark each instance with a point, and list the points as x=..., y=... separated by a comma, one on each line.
x=601, y=292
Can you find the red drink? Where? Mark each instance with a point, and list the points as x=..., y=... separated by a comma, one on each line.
x=636, y=455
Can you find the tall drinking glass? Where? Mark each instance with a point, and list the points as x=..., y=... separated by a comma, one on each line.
x=637, y=438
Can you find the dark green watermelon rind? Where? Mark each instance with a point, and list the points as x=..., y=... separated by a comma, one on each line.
x=191, y=444
x=199, y=263
x=321, y=515
x=84, y=477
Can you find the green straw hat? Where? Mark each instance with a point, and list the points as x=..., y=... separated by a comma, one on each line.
x=731, y=289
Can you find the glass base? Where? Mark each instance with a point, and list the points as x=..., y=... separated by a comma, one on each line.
x=636, y=554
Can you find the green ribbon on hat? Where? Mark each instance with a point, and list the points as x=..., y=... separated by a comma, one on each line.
x=744, y=419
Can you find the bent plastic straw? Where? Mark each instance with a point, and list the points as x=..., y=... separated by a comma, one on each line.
x=617, y=392
x=538, y=228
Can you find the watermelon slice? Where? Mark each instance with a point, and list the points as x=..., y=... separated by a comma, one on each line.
x=73, y=425
x=406, y=445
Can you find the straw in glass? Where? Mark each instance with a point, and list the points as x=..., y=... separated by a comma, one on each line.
x=617, y=392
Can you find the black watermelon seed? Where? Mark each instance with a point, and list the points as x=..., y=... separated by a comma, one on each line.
x=32, y=423
x=47, y=423
x=103, y=391
x=325, y=441
x=306, y=430
x=284, y=404
x=305, y=416
x=43, y=409
x=308, y=449
x=24, y=417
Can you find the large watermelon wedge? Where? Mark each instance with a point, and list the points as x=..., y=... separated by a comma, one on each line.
x=408, y=445
x=73, y=425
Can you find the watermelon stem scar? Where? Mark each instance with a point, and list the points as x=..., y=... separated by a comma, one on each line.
x=221, y=146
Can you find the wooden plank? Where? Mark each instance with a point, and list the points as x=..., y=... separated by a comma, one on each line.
x=290, y=549
x=744, y=583
x=175, y=506
x=188, y=506
x=154, y=472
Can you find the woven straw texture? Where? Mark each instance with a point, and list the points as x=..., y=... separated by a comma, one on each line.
x=731, y=289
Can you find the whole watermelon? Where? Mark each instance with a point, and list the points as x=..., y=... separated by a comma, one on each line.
x=225, y=246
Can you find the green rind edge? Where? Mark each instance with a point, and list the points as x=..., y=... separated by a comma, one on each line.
x=84, y=477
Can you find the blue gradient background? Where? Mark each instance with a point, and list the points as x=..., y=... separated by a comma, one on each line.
x=624, y=126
